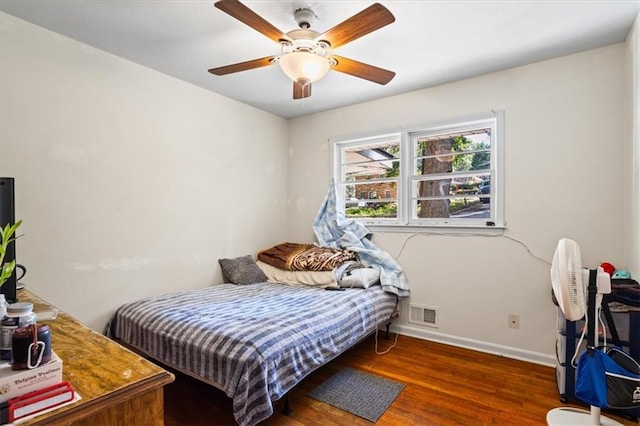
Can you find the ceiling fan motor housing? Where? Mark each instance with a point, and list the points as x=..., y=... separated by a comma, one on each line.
x=304, y=40
x=304, y=17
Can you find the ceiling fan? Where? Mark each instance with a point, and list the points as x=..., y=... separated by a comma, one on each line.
x=306, y=54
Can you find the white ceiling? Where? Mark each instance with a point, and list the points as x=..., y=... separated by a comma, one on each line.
x=431, y=42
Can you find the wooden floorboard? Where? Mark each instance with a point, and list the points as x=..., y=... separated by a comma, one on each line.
x=444, y=385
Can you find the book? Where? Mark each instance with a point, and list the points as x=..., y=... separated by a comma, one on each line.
x=15, y=383
x=35, y=402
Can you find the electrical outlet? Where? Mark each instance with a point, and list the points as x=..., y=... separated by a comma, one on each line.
x=514, y=321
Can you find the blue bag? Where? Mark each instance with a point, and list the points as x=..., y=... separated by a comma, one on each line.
x=604, y=383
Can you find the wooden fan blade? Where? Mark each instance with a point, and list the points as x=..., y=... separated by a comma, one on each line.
x=362, y=70
x=301, y=91
x=243, y=14
x=370, y=19
x=243, y=66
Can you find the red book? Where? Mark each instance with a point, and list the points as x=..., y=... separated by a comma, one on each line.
x=37, y=401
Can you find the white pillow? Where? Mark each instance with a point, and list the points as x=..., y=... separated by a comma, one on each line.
x=301, y=278
x=354, y=277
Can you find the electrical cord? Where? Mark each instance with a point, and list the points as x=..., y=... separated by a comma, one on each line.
x=457, y=234
x=526, y=248
x=395, y=342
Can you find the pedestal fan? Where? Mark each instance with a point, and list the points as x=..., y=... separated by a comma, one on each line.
x=572, y=285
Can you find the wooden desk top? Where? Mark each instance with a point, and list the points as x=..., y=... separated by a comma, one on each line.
x=101, y=371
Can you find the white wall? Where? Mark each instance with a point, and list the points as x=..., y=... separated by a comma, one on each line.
x=632, y=153
x=129, y=182
x=564, y=177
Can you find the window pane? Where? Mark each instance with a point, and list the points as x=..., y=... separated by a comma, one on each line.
x=468, y=207
x=375, y=199
x=467, y=196
x=450, y=171
x=371, y=161
x=446, y=186
x=370, y=171
x=458, y=152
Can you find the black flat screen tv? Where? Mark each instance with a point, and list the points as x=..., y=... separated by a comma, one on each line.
x=8, y=215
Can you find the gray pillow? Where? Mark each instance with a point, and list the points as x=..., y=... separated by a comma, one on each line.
x=242, y=270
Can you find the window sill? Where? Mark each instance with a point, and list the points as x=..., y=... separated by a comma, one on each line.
x=443, y=230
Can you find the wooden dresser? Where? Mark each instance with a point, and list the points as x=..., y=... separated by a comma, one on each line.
x=117, y=386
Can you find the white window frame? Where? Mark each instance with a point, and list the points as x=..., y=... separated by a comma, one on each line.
x=339, y=178
x=404, y=221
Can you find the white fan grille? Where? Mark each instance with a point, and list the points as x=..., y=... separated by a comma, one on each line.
x=575, y=288
x=567, y=279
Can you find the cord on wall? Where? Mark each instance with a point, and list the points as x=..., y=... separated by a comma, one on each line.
x=457, y=234
x=527, y=248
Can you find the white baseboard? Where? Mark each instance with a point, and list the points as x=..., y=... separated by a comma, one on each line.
x=476, y=345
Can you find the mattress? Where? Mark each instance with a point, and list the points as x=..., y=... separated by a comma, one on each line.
x=255, y=342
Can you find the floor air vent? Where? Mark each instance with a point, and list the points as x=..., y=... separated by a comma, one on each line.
x=424, y=315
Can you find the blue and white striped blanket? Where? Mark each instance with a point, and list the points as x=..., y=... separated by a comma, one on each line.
x=334, y=230
x=255, y=341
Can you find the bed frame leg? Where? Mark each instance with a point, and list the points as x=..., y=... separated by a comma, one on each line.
x=387, y=336
x=287, y=411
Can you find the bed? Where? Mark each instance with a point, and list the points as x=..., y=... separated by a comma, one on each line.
x=255, y=342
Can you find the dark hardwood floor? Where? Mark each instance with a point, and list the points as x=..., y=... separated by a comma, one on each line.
x=445, y=385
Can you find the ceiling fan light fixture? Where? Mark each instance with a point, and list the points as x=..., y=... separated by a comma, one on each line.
x=304, y=67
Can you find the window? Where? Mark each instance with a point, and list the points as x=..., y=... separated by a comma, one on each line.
x=369, y=167
x=444, y=175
